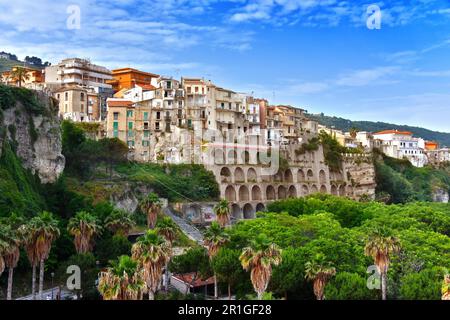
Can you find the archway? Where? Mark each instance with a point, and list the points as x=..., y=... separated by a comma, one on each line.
x=230, y=194
x=334, y=190
x=300, y=176
x=245, y=156
x=292, y=192
x=270, y=193
x=256, y=193
x=236, y=212
x=305, y=190
x=288, y=177
x=323, y=189
x=225, y=174
x=278, y=177
x=248, y=211
x=310, y=175
x=244, y=194
x=219, y=157
x=239, y=175
x=260, y=207
x=282, y=192
x=251, y=175
x=232, y=157
x=314, y=189
x=322, y=177
x=342, y=191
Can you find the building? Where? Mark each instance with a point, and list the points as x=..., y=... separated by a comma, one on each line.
x=76, y=71
x=79, y=104
x=32, y=77
x=128, y=78
x=402, y=145
x=285, y=124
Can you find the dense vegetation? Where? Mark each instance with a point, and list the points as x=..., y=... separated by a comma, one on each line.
x=337, y=228
x=398, y=181
x=346, y=125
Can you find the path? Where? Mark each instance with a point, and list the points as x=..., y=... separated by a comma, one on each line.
x=192, y=232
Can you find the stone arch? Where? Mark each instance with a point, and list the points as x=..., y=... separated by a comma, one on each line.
x=225, y=174
x=282, y=194
x=236, y=212
x=219, y=157
x=260, y=207
x=341, y=190
x=301, y=176
x=239, y=175
x=310, y=175
x=288, y=177
x=248, y=211
x=230, y=194
x=270, y=193
x=322, y=177
x=305, y=190
x=323, y=189
x=278, y=177
x=256, y=193
x=314, y=189
x=251, y=175
x=292, y=192
x=334, y=190
x=350, y=191
x=231, y=157
x=244, y=194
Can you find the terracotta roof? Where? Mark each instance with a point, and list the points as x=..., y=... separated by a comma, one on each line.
x=119, y=103
x=146, y=87
x=187, y=278
x=131, y=70
x=408, y=133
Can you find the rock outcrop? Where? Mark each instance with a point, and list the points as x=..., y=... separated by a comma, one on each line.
x=441, y=195
x=36, y=136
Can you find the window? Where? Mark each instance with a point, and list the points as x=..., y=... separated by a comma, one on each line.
x=196, y=89
x=189, y=89
x=82, y=96
x=130, y=125
x=66, y=96
x=130, y=143
x=145, y=115
x=116, y=126
x=57, y=96
x=157, y=126
x=82, y=107
x=145, y=143
x=158, y=115
x=116, y=116
x=130, y=113
x=146, y=134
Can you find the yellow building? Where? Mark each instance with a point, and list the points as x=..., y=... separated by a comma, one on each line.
x=32, y=76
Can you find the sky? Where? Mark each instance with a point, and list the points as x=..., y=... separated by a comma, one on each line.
x=319, y=55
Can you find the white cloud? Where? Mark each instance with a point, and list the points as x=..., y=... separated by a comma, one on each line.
x=374, y=76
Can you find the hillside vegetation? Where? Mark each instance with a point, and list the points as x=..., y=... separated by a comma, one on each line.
x=345, y=125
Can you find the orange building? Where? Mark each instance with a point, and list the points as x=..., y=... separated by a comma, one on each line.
x=32, y=76
x=127, y=78
x=431, y=145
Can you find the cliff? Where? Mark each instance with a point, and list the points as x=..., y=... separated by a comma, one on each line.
x=29, y=123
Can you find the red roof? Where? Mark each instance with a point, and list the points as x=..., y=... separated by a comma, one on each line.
x=146, y=87
x=119, y=103
x=187, y=279
x=408, y=133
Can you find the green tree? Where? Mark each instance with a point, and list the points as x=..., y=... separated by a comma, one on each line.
x=113, y=151
x=423, y=285
x=259, y=258
x=214, y=239
x=319, y=271
x=122, y=281
x=222, y=211
x=151, y=207
x=83, y=227
x=227, y=267
x=10, y=241
x=152, y=252
x=348, y=286
x=380, y=246
x=119, y=222
x=20, y=75
x=167, y=229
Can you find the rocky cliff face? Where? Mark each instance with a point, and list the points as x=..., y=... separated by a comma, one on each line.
x=441, y=195
x=36, y=136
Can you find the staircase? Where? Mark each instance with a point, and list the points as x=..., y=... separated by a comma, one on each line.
x=192, y=232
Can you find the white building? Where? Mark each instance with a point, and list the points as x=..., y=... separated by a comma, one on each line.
x=402, y=145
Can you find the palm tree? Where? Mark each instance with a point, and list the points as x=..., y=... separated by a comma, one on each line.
x=222, y=211
x=446, y=287
x=380, y=246
x=84, y=226
x=42, y=230
x=215, y=238
x=319, y=271
x=19, y=74
x=152, y=252
x=119, y=222
x=168, y=229
x=259, y=258
x=354, y=132
x=122, y=281
x=10, y=241
x=151, y=206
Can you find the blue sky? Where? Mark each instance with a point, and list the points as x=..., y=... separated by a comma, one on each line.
x=315, y=54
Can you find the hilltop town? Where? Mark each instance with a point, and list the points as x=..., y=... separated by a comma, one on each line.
x=233, y=134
